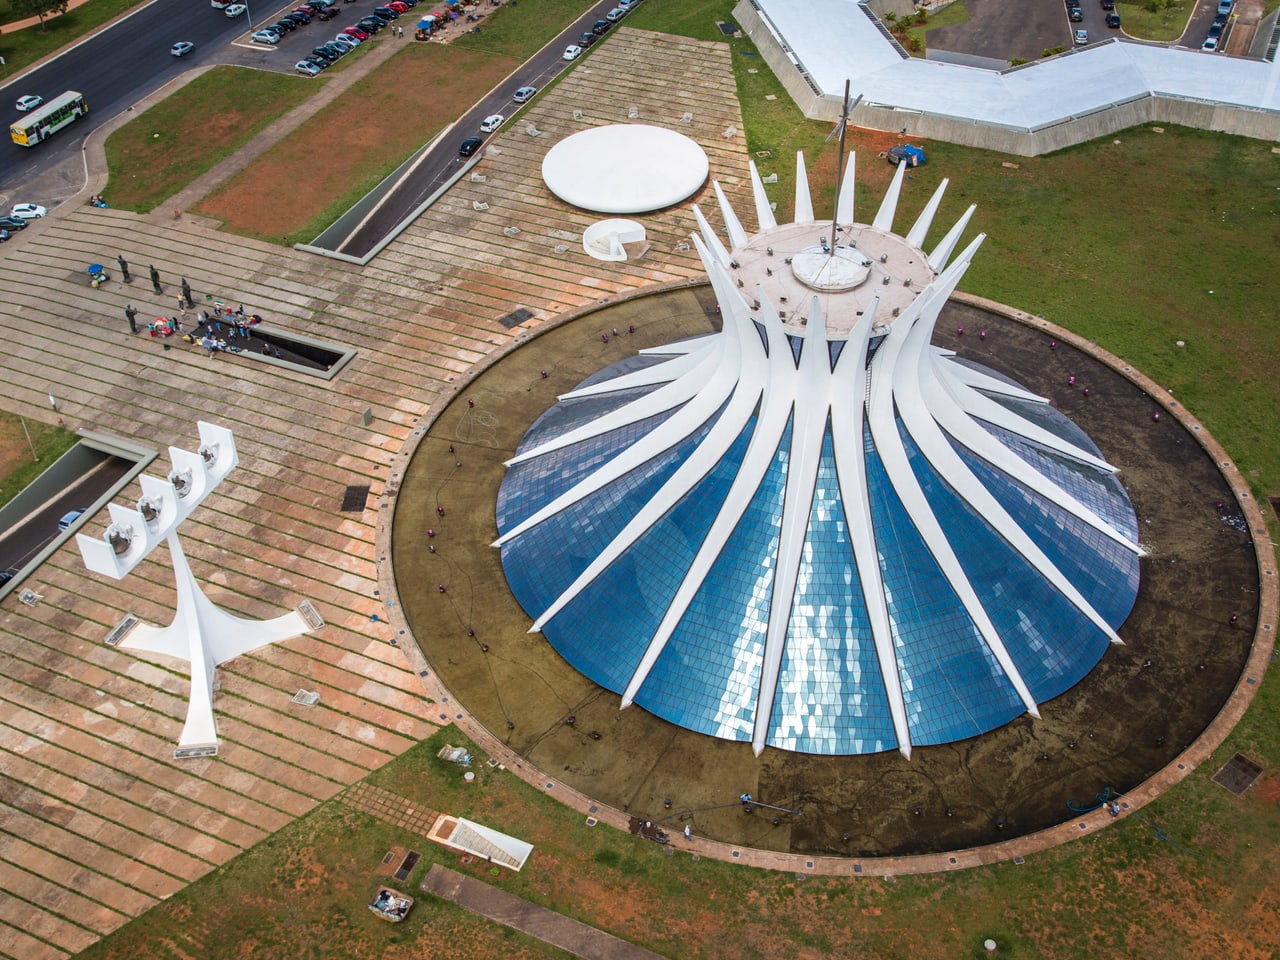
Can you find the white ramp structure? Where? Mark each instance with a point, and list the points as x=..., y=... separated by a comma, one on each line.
x=201, y=633
x=813, y=529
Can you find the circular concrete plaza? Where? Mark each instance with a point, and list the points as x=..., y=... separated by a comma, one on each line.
x=1132, y=717
x=625, y=168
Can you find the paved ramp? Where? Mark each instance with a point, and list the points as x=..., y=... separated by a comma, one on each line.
x=547, y=925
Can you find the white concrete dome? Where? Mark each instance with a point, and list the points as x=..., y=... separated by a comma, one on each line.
x=625, y=168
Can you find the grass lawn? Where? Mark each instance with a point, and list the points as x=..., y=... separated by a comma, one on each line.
x=183, y=136
x=1181, y=879
x=18, y=436
x=1162, y=26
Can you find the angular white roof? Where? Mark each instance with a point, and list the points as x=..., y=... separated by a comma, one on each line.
x=835, y=40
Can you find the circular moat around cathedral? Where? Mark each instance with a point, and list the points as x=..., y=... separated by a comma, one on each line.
x=1184, y=646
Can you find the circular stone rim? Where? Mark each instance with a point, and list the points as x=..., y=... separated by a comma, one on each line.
x=625, y=168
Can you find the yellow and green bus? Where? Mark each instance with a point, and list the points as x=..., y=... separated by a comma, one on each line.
x=44, y=121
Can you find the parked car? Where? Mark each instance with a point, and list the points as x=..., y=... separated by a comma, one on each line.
x=306, y=68
x=386, y=13
x=371, y=23
x=348, y=42
x=326, y=53
x=281, y=27
x=616, y=14
x=1215, y=30
x=220, y=4
x=1210, y=44
x=235, y=9
x=28, y=211
x=338, y=49
x=266, y=36
x=628, y=5
x=491, y=122
x=182, y=48
x=1113, y=21
x=470, y=146
x=1075, y=14
x=323, y=63
x=13, y=223
x=1224, y=6
x=28, y=102
x=587, y=39
x=297, y=19
x=302, y=14
x=356, y=32
x=1108, y=4
x=69, y=518
x=399, y=6
x=572, y=52
x=1082, y=37
x=601, y=27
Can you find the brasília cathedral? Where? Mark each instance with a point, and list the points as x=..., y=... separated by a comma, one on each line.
x=814, y=530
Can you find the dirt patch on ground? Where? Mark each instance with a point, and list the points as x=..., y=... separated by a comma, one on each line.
x=422, y=88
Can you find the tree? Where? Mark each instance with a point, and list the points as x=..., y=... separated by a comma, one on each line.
x=38, y=8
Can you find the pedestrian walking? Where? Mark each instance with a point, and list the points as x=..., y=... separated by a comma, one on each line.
x=688, y=832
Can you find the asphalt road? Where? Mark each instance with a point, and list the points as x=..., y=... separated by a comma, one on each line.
x=114, y=69
x=442, y=161
x=33, y=533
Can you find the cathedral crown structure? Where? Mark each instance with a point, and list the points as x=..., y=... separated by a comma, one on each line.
x=813, y=529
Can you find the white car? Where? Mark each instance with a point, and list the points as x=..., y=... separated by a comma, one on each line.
x=1082, y=37
x=182, y=48
x=616, y=14
x=29, y=102
x=235, y=9
x=491, y=123
x=306, y=68
x=28, y=211
x=572, y=52
x=524, y=94
x=346, y=41
x=265, y=36
x=1210, y=44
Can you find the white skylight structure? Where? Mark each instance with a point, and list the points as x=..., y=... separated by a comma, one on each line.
x=814, y=530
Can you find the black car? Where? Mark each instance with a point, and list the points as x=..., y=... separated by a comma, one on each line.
x=323, y=54
x=386, y=13
x=297, y=19
x=586, y=40
x=324, y=63
x=334, y=50
x=1113, y=21
x=12, y=223
x=470, y=146
x=1075, y=14
x=283, y=26
x=601, y=27
x=371, y=24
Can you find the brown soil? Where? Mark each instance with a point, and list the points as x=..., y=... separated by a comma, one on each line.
x=421, y=88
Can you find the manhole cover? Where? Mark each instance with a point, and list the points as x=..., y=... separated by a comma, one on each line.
x=1238, y=774
x=355, y=498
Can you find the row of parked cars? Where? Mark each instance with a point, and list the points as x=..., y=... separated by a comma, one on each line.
x=1219, y=24
x=350, y=37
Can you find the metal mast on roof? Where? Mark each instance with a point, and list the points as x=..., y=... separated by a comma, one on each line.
x=844, y=125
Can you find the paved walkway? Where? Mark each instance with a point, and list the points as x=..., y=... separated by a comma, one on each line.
x=98, y=822
x=546, y=925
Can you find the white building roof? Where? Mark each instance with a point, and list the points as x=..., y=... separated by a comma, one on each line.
x=835, y=40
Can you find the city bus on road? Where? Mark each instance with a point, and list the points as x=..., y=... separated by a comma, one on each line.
x=44, y=121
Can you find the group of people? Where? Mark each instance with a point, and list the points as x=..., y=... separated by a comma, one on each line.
x=97, y=200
